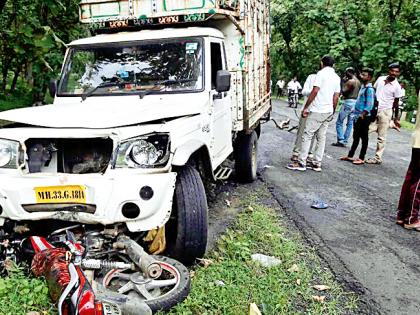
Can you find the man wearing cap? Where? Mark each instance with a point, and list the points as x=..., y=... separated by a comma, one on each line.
x=388, y=93
x=350, y=92
x=408, y=207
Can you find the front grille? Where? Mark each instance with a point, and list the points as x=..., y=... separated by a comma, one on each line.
x=72, y=156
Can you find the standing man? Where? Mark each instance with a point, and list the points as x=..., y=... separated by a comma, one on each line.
x=307, y=88
x=323, y=101
x=364, y=105
x=280, y=85
x=388, y=93
x=350, y=92
x=408, y=207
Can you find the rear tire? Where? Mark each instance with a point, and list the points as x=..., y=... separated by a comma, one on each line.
x=187, y=228
x=246, y=149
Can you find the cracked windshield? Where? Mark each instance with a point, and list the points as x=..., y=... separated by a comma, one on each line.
x=157, y=66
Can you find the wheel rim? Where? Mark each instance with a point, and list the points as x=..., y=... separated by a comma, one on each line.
x=135, y=284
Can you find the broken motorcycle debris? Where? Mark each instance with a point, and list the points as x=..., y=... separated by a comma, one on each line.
x=91, y=272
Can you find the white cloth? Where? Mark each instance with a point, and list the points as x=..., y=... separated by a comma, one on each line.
x=386, y=93
x=329, y=84
x=280, y=84
x=294, y=86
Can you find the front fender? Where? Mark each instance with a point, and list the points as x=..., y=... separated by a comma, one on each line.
x=184, y=151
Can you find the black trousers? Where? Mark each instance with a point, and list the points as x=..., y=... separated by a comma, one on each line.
x=360, y=131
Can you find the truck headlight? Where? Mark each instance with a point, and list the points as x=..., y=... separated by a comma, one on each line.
x=9, y=153
x=147, y=151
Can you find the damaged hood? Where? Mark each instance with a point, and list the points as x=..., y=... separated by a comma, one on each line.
x=107, y=112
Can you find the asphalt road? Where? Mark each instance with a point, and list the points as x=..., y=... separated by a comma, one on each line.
x=357, y=235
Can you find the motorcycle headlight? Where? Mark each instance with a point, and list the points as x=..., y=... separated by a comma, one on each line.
x=9, y=153
x=147, y=151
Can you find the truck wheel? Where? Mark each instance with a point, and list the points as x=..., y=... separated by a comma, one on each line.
x=186, y=230
x=246, y=148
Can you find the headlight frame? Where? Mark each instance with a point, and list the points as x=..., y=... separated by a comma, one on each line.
x=10, y=154
x=146, y=151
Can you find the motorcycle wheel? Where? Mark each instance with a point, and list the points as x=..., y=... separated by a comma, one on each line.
x=160, y=294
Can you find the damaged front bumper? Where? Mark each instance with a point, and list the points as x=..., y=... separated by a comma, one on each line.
x=142, y=201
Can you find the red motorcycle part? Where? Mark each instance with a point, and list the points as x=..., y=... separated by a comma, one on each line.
x=53, y=264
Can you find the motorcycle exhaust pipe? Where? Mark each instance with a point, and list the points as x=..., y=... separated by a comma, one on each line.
x=147, y=264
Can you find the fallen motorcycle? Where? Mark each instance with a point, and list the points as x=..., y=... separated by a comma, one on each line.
x=98, y=272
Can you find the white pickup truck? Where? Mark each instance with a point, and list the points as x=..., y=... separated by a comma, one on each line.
x=159, y=98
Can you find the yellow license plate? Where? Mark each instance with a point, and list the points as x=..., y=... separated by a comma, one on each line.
x=61, y=194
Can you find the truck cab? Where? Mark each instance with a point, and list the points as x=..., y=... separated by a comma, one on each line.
x=144, y=110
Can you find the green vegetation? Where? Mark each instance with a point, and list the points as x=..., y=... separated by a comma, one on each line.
x=357, y=33
x=407, y=125
x=232, y=280
x=20, y=295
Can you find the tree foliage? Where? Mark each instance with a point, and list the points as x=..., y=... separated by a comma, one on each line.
x=360, y=33
x=32, y=40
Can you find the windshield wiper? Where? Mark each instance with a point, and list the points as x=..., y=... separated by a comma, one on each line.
x=165, y=83
x=102, y=85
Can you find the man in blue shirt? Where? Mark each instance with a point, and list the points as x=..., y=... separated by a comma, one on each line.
x=363, y=107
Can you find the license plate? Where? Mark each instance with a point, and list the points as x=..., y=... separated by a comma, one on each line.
x=61, y=194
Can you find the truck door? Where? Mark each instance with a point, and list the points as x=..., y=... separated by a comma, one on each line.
x=221, y=116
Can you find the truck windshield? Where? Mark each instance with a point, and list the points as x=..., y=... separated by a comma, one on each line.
x=155, y=66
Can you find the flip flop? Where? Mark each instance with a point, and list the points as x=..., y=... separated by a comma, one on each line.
x=346, y=158
x=358, y=162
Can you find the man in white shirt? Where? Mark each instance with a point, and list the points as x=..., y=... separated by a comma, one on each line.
x=293, y=88
x=318, y=111
x=280, y=85
x=388, y=93
x=294, y=85
x=307, y=88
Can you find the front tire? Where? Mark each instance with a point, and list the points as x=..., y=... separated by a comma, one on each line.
x=187, y=228
x=246, y=149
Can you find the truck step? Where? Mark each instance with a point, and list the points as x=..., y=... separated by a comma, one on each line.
x=222, y=173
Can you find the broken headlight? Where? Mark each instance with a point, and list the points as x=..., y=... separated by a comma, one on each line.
x=9, y=153
x=147, y=151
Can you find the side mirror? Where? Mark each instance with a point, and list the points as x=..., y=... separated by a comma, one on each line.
x=53, y=87
x=222, y=81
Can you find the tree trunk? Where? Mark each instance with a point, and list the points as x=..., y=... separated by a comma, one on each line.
x=14, y=81
x=2, y=4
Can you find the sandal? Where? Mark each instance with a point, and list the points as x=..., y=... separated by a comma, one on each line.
x=346, y=158
x=400, y=222
x=414, y=226
x=373, y=161
x=358, y=162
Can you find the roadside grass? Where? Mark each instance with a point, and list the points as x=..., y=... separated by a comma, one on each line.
x=233, y=280
x=407, y=125
x=20, y=295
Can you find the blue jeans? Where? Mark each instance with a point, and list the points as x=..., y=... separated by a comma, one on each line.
x=346, y=112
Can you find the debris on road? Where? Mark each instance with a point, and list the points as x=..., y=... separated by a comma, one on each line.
x=318, y=298
x=205, y=262
x=254, y=310
x=266, y=261
x=294, y=268
x=321, y=287
x=320, y=205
